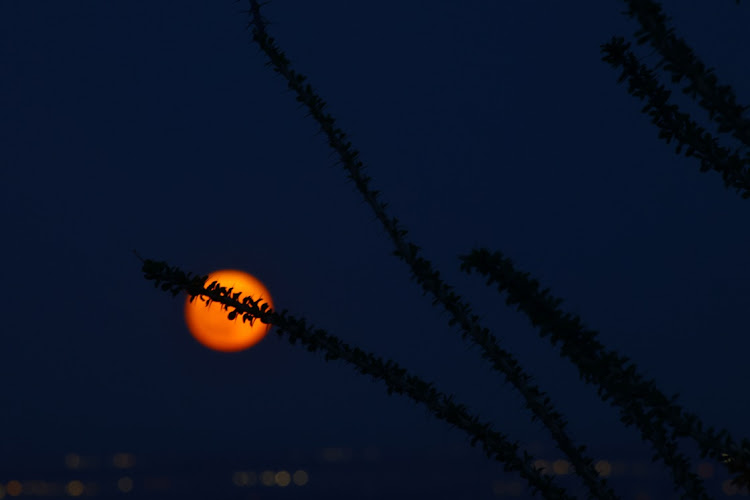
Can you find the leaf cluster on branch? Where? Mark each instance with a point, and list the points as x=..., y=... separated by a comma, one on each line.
x=659, y=418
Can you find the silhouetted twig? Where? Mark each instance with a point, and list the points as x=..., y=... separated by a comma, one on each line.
x=397, y=379
x=679, y=59
x=677, y=125
x=640, y=401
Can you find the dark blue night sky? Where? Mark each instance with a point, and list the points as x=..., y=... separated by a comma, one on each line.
x=156, y=126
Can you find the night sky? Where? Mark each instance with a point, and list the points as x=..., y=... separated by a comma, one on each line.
x=156, y=126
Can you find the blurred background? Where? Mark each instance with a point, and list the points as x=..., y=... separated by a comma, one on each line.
x=158, y=127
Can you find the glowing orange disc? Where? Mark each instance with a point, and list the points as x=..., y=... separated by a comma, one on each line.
x=210, y=325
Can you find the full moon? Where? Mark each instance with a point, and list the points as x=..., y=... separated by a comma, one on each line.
x=210, y=325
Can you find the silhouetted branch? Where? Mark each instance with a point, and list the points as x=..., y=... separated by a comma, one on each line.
x=673, y=124
x=422, y=270
x=495, y=444
x=607, y=369
x=679, y=59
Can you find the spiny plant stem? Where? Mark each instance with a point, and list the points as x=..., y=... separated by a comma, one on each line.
x=422, y=271
x=495, y=444
x=679, y=58
x=606, y=369
x=643, y=84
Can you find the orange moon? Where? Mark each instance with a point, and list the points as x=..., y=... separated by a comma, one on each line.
x=210, y=325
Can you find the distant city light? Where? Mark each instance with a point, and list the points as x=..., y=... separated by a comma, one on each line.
x=561, y=467
x=74, y=488
x=267, y=478
x=125, y=484
x=88, y=477
x=14, y=488
x=604, y=468
x=300, y=478
x=283, y=478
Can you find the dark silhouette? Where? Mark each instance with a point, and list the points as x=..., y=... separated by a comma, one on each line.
x=658, y=417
